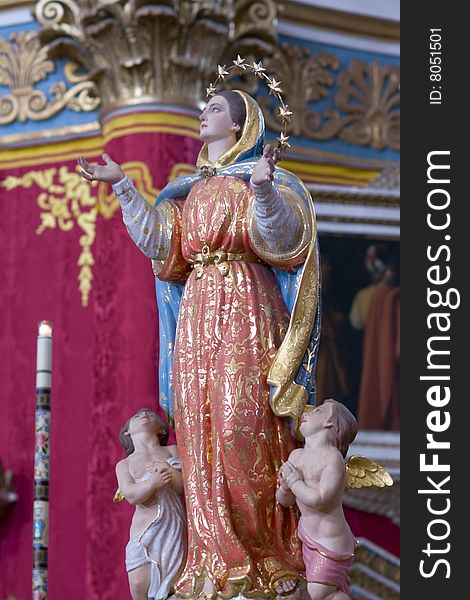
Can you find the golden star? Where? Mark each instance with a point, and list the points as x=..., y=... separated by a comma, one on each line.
x=239, y=63
x=221, y=72
x=283, y=141
x=285, y=113
x=258, y=69
x=211, y=90
x=274, y=86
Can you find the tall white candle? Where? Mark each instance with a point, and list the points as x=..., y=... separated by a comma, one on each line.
x=44, y=355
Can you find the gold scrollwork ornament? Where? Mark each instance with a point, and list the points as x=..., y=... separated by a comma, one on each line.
x=24, y=63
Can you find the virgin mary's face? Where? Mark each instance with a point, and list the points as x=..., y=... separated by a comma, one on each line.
x=216, y=121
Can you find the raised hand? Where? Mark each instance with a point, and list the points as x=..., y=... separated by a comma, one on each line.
x=110, y=172
x=264, y=168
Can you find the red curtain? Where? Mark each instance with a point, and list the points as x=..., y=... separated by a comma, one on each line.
x=105, y=346
x=376, y=528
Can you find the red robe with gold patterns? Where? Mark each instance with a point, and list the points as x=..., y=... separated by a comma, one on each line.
x=230, y=442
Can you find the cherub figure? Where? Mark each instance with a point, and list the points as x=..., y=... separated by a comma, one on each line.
x=315, y=478
x=150, y=477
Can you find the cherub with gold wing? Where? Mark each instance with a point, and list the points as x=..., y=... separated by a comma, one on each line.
x=315, y=478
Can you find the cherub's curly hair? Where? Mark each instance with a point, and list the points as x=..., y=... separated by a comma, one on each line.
x=345, y=425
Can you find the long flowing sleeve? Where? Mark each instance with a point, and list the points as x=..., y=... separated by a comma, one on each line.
x=275, y=217
x=280, y=223
x=144, y=223
x=156, y=231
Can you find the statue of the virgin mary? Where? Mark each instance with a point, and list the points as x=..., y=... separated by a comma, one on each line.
x=236, y=261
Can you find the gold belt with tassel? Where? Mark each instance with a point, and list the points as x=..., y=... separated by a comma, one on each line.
x=220, y=258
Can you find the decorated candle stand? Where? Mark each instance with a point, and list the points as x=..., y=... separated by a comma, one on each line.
x=41, y=460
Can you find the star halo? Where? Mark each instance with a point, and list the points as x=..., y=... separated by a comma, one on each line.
x=256, y=68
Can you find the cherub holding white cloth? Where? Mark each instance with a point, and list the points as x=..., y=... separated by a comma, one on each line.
x=150, y=477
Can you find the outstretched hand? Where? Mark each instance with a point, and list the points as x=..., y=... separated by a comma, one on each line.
x=110, y=172
x=264, y=168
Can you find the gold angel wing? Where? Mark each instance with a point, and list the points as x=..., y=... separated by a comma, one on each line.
x=118, y=497
x=365, y=472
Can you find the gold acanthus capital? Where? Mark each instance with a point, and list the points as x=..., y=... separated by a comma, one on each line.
x=157, y=51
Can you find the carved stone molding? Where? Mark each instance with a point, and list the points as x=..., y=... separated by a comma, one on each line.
x=388, y=179
x=306, y=15
x=254, y=26
x=166, y=51
x=366, y=105
x=8, y=4
x=24, y=63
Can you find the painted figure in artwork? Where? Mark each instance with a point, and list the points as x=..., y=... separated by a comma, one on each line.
x=234, y=250
x=376, y=310
x=315, y=478
x=150, y=478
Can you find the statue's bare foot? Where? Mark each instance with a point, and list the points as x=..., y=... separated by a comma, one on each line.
x=285, y=586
